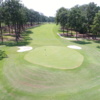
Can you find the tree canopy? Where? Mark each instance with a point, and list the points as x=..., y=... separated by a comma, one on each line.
x=82, y=19
x=17, y=17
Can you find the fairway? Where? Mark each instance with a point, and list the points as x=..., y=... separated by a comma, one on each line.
x=55, y=57
x=51, y=70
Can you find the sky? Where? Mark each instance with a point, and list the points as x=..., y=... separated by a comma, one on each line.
x=49, y=7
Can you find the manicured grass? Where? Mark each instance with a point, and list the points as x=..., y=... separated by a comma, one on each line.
x=23, y=80
x=55, y=57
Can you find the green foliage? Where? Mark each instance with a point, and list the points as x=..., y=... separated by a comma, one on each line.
x=79, y=18
x=96, y=24
x=61, y=13
x=62, y=17
x=16, y=16
x=75, y=17
x=2, y=54
x=92, y=9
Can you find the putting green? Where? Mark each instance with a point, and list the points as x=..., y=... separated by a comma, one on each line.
x=55, y=57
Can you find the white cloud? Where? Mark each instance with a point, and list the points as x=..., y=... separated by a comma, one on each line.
x=49, y=7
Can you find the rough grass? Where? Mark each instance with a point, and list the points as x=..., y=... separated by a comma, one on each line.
x=22, y=80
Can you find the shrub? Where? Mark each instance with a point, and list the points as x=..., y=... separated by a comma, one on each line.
x=2, y=54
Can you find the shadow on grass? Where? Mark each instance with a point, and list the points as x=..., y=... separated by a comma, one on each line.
x=27, y=33
x=12, y=43
x=32, y=27
x=98, y=47
x=25, y=40
x=97, y=41
x=62, y=31
x=82, y=42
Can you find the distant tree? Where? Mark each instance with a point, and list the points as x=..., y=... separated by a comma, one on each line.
x=78, y=18
x=50, y=19
x=1, y=20
x=83, y=25
x=58, y=14
x=96, y=25
x=92, y=9
x=75, y=19
x=62, y=17
x=83, y=9
x=38, y=18
x=14, y=15
x=17, y=18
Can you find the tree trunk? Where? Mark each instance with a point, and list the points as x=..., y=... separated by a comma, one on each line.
x=23, y=27
x=9, y=28
x=95, y=36
x=1, y=34
x=31, y=23
x=88, y=36
x=67, y=31
x=83, y=35
x=71, y=32
x=19, y=30
x=76, y=35
x=15, y=26
x=63, y=29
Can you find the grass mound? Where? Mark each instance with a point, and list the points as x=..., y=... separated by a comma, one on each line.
x=55, y=57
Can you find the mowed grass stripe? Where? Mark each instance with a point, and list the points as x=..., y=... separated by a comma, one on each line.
x=81, y=83
x=44, y=36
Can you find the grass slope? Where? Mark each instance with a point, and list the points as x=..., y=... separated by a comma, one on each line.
x=22, y=80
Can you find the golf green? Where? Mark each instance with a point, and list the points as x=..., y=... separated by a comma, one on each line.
x=55, y=57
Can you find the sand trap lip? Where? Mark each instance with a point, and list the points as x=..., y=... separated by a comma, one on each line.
x=67, y=38
x=74, y=47
x=24, y=48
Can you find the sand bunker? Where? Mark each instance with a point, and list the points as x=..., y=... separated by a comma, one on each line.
x=68, y=37
x=74, y=47
x=24, y=48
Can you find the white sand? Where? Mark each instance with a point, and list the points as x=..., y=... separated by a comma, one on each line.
x=68, y=38
x=74, y=47
x=24, y=48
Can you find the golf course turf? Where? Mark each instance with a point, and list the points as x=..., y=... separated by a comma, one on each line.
x=32, y=75
x=55, y=57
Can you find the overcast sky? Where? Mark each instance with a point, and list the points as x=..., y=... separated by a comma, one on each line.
x=49, y=7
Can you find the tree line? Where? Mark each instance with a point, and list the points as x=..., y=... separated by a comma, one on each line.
x=84, y=19
x=15, y=18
